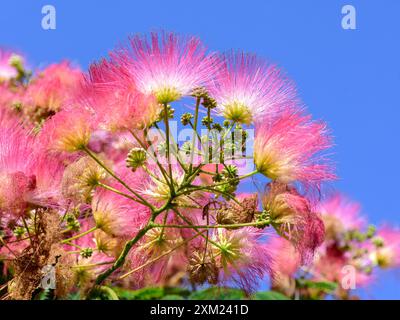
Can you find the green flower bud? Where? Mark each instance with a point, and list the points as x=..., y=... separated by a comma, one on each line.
x=226, y=123
x=209, y=102
x=199, y=92
x=217, y=127
x=136, y=158
x=185, y=118
x=207, y=121
x=72, y=223
x=378, y=242
x=86, y=252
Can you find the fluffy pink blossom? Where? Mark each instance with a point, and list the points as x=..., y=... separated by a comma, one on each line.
x=249, y=89
x=109, y=89
x=16, y=154
x=10, y=99
x=67, y=131
x=293, y=217
x=287, y=149
x=340, y=215
x=31, y=177
x=53, y=87
x=286, y=260
x=87, y=268
x=7, y=71
x=388, y=256
x=244, y=259
x=332, y=264
x=168, y=65
x=117, y=215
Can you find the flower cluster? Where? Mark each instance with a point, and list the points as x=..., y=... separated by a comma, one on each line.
x=95, y=185
x=348, y=258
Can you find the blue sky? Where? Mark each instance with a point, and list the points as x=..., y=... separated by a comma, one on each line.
x=349, y=78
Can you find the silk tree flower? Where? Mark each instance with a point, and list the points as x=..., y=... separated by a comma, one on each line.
x=7, y=69
x=110, y=90
x=118, y=215
x=288, y=149
x=30, y=176
x=166, y=270
x=340, y=215
x=329, y=265
x=157, y=190
x=387, y=255
x=10, y=98
x=15, y=156
x=79, y=180
x=168, y=65
x=286, y=262
x=67, y=131
x=242, y=256
x=86, y=269
x=248, y=89
x=51, y=90
x=292, y=216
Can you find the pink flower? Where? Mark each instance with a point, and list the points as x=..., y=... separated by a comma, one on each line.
x=333, y=264
x=340, y=215
x=52, y=88
x=292, y=216
x=110, y=90
x=287, y=149
x=388, y=255
x=243, y=257
x=16, y=154
x=67, y=131
x=86, y=269
x=7, y=70
x=117, y=215
x=30, y=176
x=286, y=262
x=249, y=89
x=167, y=65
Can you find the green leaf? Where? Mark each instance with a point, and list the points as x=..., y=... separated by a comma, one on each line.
x=325, y=286
x=269, y=295
x=172, y=297
x=215, y=293
x=141, y=294
x=152, y=293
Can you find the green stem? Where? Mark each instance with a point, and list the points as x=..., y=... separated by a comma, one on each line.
x=111, y=173
x=153, y=156
x=215, y=226
x=196, y=119
x=176, y=154
x=107, y=187
x=121, y=259
x=157, y=258
x=166, y=122
x=79, y=235
x=195, y=229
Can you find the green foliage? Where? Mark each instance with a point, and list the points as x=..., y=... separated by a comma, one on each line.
x=324, y=286
x=152, y=293
x=269, y=295
x=215, y=293
x=172, y=297
x=211, y=293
